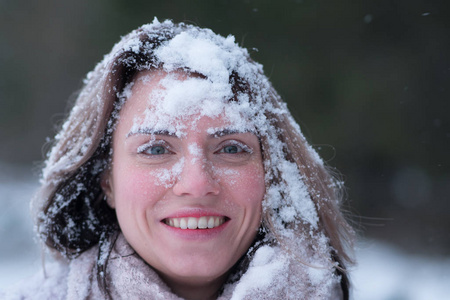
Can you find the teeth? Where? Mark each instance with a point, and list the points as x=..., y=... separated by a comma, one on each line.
x=202, y=223
x=195, y=223
x=211, y=223
x=183, y=223
x=192, y=223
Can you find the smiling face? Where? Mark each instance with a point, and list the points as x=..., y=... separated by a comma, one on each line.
x=187, y=192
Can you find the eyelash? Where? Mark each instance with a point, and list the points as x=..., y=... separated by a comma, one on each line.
x=146, y=147
x=242, y=147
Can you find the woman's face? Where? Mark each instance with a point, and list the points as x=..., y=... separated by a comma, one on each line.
x=189, y=203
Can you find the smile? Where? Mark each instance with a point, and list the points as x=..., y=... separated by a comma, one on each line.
x=206, y=222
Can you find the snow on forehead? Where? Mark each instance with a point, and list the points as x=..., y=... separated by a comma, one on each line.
x=202, y=52
x=209, y=94
x=174, y=99
x=192, y=95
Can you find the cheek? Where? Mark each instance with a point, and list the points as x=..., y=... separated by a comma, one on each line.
x=136, y=187
x=246, y=184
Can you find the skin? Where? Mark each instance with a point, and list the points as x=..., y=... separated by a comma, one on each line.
x=156, y=176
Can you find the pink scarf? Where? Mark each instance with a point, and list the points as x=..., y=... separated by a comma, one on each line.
x=272, y=274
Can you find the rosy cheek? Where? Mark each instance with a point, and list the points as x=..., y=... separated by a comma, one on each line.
x=137, y=187
x=226, y=176
x=254, y=187
x=248, y=180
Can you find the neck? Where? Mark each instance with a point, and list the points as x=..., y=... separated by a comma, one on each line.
x=193, y=289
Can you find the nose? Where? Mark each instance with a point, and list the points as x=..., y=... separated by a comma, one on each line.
x=196, y=179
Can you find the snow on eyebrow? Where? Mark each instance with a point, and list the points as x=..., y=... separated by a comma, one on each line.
x=219, y=131
x=153, y=122
x=149, y=131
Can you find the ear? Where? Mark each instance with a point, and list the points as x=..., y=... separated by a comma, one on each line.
x=107, y=187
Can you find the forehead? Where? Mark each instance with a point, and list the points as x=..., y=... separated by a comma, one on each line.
x=176, y=101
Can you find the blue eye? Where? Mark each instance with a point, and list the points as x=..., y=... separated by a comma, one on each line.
x=156, y=150
x=232, y=149
x=235, y=148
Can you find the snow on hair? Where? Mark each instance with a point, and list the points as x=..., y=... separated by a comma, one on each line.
x=302, y=200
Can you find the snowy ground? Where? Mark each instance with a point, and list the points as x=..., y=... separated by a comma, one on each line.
x=386, y=273
x=383, y=271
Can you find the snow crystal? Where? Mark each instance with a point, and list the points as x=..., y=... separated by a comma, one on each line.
x=167, y=177
x=316, y=275
x=127, y=91
x=230, y=174
x=195, y=151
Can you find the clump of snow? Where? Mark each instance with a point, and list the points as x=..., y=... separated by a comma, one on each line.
x=203, y=52
x=265, y=267
x=295, y=189
x=182, y=97
x=316, y=275
x=178, y=99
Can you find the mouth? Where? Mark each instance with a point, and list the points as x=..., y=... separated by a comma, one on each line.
x=204, y=222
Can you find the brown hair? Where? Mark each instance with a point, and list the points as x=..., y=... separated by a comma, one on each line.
x=71, y=214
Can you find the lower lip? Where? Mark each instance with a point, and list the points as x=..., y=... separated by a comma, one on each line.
x=196, y=234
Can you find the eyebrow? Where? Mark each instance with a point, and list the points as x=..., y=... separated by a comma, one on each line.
x=215, y=134
x=151, y=131
x=227, y=131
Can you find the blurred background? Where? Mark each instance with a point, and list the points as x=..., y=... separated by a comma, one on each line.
x=369, y=82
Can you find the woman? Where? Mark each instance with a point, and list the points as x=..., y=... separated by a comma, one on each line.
x=180, y=173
